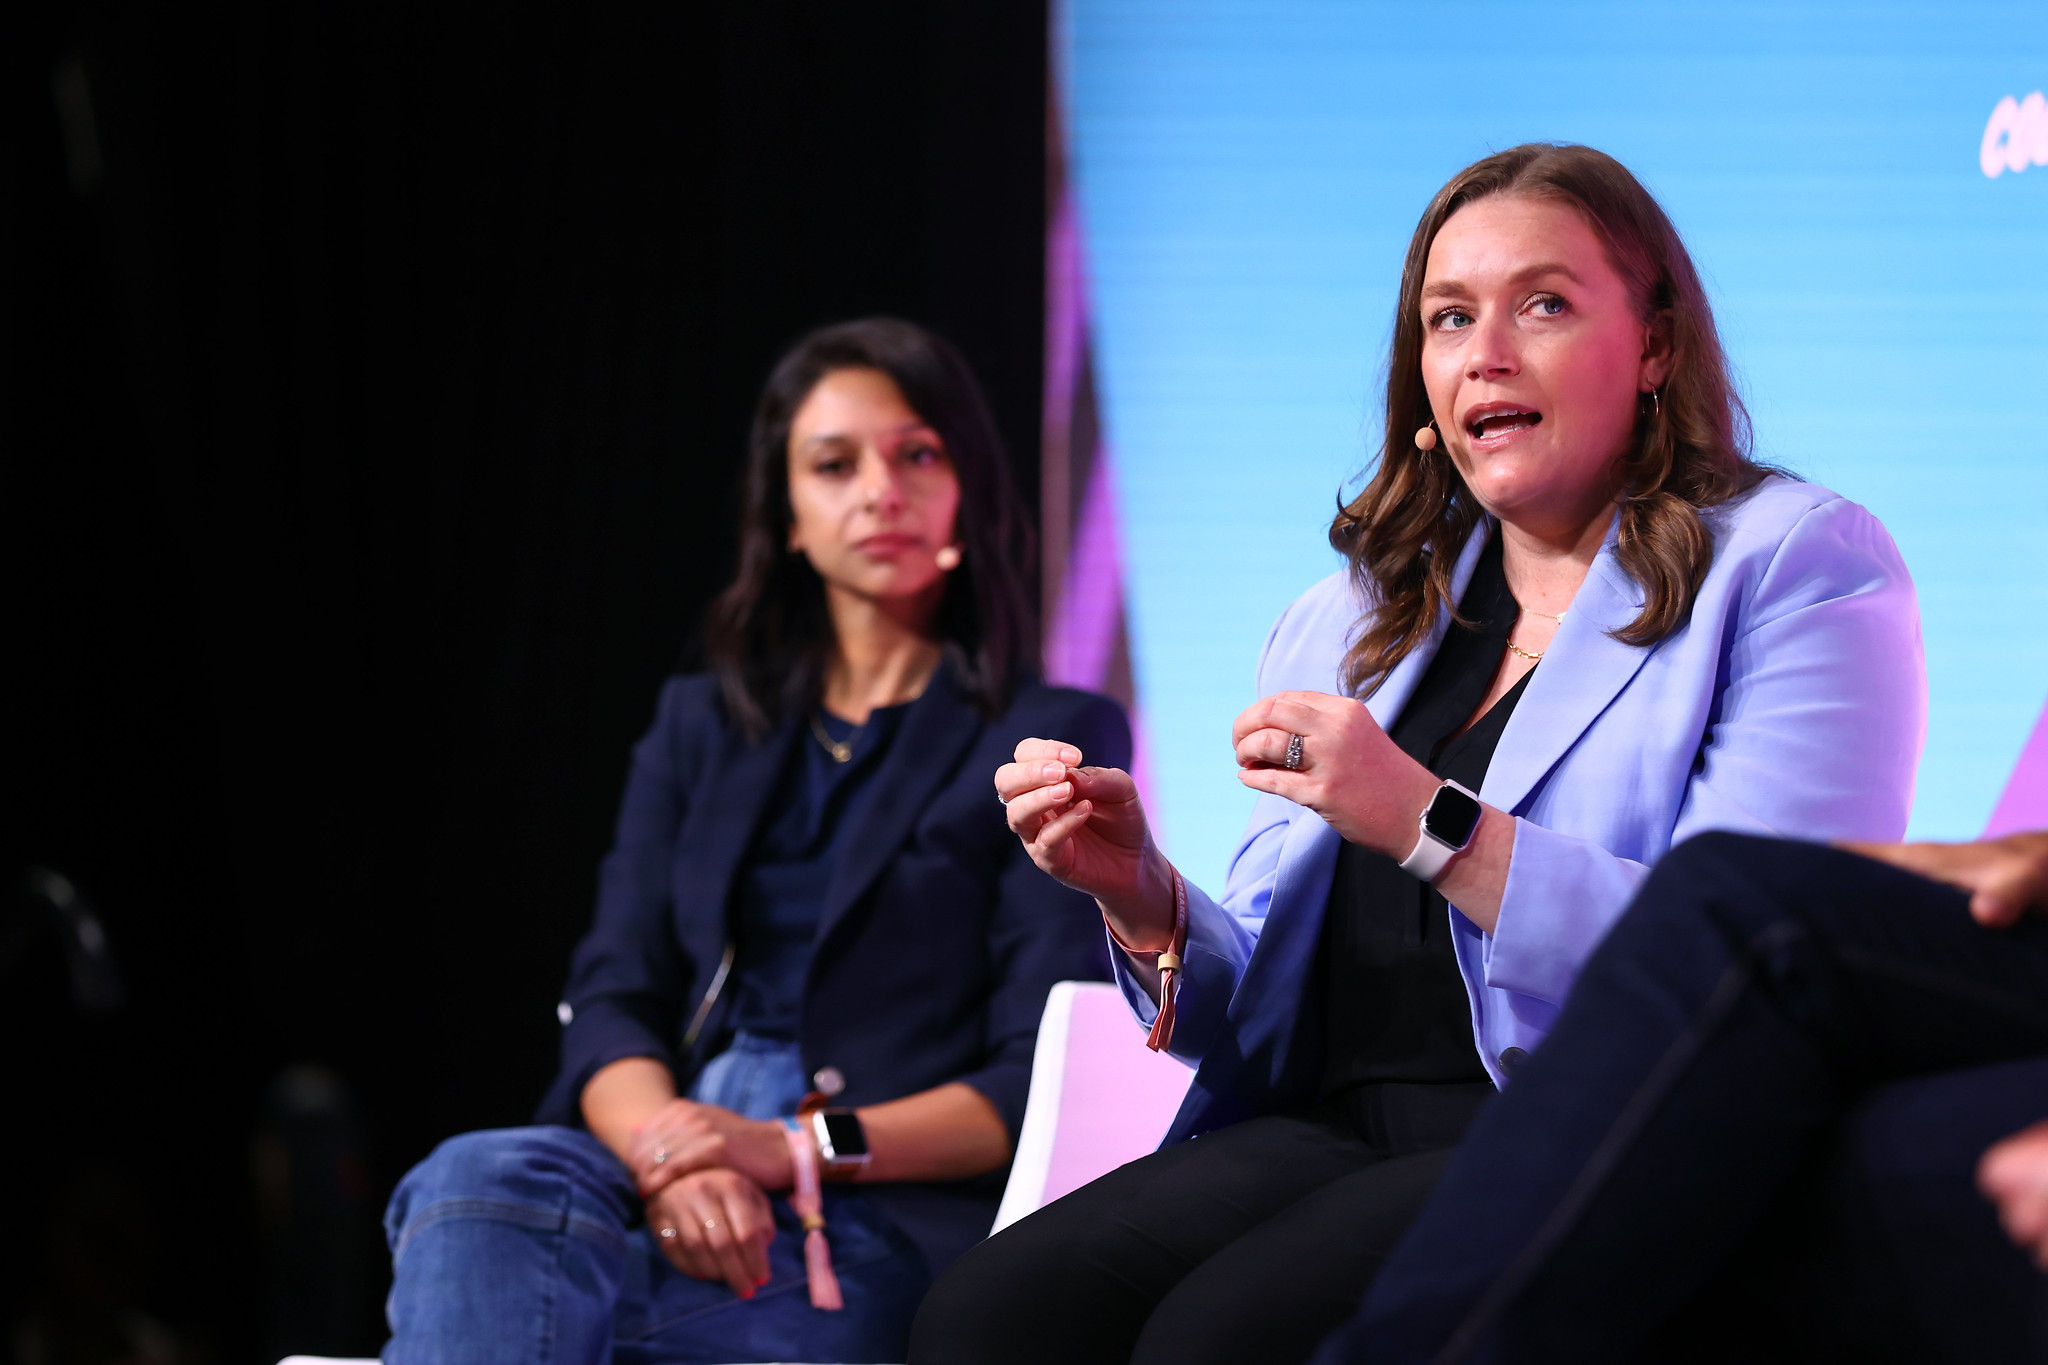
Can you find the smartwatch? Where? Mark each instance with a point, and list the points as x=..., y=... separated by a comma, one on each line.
x=1445, y=828
x=842, y=1143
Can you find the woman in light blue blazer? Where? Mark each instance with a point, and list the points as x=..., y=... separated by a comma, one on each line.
x=1578, y=625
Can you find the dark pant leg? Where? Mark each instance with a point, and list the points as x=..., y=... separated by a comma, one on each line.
x=1274, y=1293
x=1884, y=1251
x=1903, y=1199
x=1077, y=1281
x=1755, y=989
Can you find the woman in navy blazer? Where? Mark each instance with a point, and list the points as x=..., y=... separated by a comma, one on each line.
x=818, y=956
x=1579, y=624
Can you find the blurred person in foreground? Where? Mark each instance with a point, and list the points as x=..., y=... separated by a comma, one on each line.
x=796, y=1043
x=1758, y=1130
x=1578, y=624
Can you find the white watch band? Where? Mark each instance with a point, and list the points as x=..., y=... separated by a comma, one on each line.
x=1431, y=855
x=1429, y=858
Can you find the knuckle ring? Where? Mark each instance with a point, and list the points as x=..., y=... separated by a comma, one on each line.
x=1293, y=760
x=668, y=1234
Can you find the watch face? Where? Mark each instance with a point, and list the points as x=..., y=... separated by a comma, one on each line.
x=1451, y=817
x=843, y=1132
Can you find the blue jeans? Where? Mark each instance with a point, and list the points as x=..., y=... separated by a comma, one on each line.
x=529, y=1245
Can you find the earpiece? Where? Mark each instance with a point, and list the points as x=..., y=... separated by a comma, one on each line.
x=948, y=557
x=1425, y=439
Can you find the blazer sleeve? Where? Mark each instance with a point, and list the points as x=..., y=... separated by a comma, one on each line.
x=1041, y=933
x=628, y=979
x=1221, y=933
x=1823, y=679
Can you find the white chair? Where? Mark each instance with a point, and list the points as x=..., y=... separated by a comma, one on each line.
x=1099, y=1097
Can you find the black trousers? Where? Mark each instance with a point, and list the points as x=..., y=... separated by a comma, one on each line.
x=1248, y=1244
x=1783, y=1056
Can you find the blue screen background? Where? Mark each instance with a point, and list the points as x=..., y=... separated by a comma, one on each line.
x=1247, y=175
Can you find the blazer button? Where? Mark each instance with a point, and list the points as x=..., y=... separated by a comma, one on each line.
x=1512, y=1058
x=829, y=1080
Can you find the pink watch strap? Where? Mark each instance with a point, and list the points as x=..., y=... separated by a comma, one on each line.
x=808, y=1200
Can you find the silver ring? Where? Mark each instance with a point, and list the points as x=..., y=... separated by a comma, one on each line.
x=1002, y=800
x=1293, y=760
x=710, y=1223
x=660, y=1155
x=668, y=1234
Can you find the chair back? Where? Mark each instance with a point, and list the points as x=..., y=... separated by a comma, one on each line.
x=1099, y=1097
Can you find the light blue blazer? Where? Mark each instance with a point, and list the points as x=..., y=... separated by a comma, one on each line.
x=1792, y=702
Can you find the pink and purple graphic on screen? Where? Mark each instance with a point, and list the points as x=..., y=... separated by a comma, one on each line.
x=1085, y=643
x=1087, y=636
x=2024, y=804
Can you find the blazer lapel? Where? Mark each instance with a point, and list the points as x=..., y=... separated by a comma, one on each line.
x=936, y=732
x=1583, y=670
x=1285, y=954
x=725, y=811
x=1390, y=696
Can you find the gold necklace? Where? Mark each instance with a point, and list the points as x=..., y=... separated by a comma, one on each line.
x=1536, y=656
x=842, y=752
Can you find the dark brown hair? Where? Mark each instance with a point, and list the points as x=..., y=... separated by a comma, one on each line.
x=1403, y=531
x=770, y=636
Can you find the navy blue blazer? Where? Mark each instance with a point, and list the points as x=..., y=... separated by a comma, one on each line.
x=936, y=945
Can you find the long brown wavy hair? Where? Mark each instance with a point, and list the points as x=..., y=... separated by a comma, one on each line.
x=1403, y=531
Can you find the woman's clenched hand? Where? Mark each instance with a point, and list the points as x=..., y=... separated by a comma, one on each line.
x=715, y=1225
x=683, y=1137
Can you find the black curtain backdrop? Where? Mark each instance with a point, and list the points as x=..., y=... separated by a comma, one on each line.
x=372, y=388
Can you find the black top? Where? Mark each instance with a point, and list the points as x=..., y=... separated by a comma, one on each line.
x=1394, y=1003
x=782, y=891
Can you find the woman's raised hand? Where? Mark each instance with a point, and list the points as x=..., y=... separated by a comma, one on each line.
x=1349, y=773
x=1086, y=827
